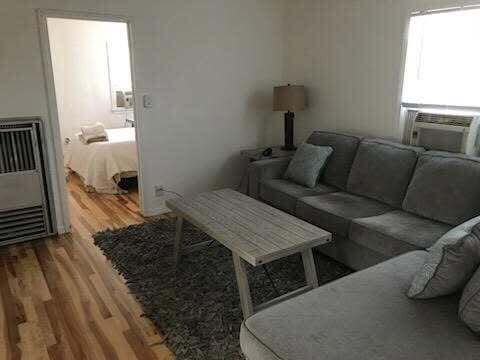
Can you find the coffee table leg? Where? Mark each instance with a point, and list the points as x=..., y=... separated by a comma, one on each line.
x=178, y=240
x=310, y=269
x=242, y=284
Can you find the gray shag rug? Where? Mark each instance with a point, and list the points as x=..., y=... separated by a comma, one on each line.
x=196, y=307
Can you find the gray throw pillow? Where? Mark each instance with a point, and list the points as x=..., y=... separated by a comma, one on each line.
x=469, y=309
x=307, y=164
x=450, y=264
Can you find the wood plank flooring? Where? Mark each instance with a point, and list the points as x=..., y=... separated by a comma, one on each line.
x=60, y=298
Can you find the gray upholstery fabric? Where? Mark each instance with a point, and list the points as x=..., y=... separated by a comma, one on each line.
x=284, y=194
x=382, y=170
x=445, y=187
x=265, y=169
x=347, y=252
x=396, y=232
x=307, y=164
x=334, y=212
x=450, y=264
x=469, y=309
x=364, y=316
x=344, y=150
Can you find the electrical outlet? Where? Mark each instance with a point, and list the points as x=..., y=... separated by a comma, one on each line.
x=158, y=190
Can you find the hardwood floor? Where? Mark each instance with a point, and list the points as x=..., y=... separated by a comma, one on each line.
x=61, y=298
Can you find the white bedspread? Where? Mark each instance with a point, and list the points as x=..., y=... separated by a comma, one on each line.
x=98, y=163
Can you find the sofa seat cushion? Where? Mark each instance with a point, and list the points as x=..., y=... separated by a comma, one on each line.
x=445, y=187
x=344, y=149
x=382, y=170
x=284, y=194
x=334, y=212
x=396, y=232
x=349, y=253
x=364, y=316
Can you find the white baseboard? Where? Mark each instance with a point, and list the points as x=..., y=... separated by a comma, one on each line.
x=156, y=211
x=61, y=230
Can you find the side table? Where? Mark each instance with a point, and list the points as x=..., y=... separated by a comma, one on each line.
x=257, y=154
x=252, y=155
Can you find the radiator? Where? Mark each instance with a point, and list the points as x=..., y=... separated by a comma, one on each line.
x=25, y=192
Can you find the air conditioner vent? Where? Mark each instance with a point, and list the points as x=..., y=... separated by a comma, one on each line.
x=25, y=191
x=444, y=119
x=16, y=150
x=16, y=126
x=24, y=223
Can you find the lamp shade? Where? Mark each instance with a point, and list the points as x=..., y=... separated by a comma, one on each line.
x=289, y=98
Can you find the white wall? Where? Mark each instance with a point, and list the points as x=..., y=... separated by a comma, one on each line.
x=349, y=55
x=80, y=66
x=208, y=64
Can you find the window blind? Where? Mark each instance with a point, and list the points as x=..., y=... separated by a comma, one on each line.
x=442, y=65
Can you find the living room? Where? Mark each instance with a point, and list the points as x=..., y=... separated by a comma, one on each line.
x=117, y=282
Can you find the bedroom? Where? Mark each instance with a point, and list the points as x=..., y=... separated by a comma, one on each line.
x=93, y=87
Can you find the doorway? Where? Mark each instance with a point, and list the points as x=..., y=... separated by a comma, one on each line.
x=90, y=84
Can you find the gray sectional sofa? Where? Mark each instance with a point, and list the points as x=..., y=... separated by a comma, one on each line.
x=385, y=204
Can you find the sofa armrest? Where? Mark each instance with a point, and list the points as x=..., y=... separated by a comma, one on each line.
x=265, y=169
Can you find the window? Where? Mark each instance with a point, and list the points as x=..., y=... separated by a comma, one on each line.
x=443, y=59
x=118, y=60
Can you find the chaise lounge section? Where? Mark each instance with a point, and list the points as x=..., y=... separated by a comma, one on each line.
x=364, y=316
x=386, y=204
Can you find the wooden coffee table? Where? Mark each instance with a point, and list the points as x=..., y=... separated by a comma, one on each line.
x=256, y=233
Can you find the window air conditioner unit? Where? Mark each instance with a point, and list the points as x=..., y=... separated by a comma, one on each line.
x=443, y=131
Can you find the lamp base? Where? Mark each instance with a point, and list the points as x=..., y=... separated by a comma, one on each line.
x=289, y=117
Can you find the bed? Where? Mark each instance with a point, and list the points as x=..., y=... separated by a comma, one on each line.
x=101, y=165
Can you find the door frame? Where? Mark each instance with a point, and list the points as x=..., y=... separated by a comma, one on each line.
x=53, y=135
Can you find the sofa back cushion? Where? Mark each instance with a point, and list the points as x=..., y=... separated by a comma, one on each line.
x=344, y=149
x=445, y=187
x=382, y=170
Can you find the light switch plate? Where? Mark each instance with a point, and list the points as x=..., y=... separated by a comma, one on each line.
x=147, y=101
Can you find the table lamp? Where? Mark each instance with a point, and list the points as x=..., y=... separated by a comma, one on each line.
x=289, y=98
